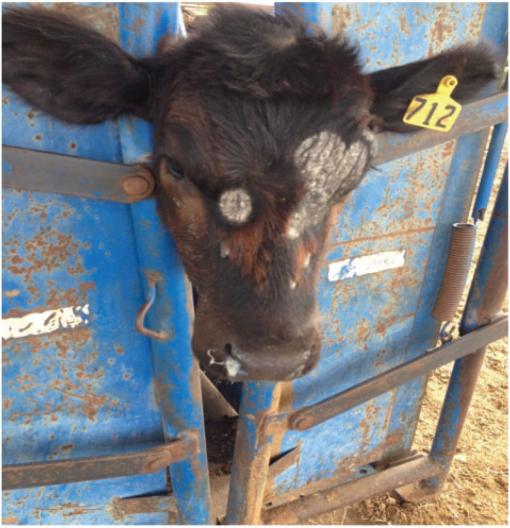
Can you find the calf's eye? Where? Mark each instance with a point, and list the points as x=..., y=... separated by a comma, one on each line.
x=174, y=168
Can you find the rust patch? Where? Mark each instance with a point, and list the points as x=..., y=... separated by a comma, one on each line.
x=10, y=520
x=84, y=286
x=104, y=18
x=7, y=402
x=118, y=349
x=363, y=332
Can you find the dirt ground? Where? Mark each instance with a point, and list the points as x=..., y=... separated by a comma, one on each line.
x=476, y=492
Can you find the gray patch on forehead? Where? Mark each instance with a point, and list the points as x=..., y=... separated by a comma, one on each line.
x=235, y=205
x=329, y=170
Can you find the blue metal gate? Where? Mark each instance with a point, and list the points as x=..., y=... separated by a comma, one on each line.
x=80, y=383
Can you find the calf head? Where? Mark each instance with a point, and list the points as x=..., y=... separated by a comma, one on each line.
x=259, y=130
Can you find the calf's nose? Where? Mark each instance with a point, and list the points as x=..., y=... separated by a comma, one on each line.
x=269, y=360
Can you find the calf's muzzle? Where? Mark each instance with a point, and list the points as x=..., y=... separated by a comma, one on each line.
x=227, y=354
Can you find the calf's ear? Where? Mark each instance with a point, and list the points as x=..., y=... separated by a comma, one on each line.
x=474, y=66
x=70, y=70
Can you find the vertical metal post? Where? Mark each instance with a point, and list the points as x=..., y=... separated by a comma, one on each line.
x=489, y=171
x=252, y=453
x=485, y=300
x=176, y=371
x=491, y=166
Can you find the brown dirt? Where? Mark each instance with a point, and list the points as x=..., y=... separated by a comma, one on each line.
x=476, y=492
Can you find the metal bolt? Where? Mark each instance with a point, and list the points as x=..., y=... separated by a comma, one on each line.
x=301, y=424
x=158, y=464
x=135, y=185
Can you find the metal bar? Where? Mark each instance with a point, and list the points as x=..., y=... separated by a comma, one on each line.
x=489, y=171
x=475, y=116
x=35, y=474
x=490, y=168
x=307, y=417
x=176, y=371
x=299, y=511
x=137, y=505
x=215, y=404
x=45, y=172
x=31, y=170
x=486, y=297
x=252, y=453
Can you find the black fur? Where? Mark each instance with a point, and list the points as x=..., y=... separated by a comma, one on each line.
x=68, y=69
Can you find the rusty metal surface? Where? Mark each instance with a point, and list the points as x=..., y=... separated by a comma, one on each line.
x=36, y=474
x=303, y=419
x=73, y=392
x=252, y=453
x=89, y=389
x=30, y=170
x=301, y=510
x=137, y=505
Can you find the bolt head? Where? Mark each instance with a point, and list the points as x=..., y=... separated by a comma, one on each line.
x=301, y=424
x=159, y=464
x=135, y=185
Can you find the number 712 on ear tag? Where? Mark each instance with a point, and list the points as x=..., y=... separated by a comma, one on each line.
x=437, y=111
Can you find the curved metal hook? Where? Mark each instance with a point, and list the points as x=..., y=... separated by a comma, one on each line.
x=152, y=278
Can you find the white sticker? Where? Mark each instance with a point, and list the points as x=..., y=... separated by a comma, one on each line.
x=44, y=322
x=358, y=266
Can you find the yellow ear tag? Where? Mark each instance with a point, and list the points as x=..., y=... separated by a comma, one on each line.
x=437, y=111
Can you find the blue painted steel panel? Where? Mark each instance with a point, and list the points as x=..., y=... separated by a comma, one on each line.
x=96, y=390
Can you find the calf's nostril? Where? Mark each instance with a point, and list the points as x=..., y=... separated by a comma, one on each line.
x=228, y=349
x=216, y=356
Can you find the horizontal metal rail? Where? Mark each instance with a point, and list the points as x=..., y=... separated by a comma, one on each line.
x=32, y=170
x=297, y=512
x=35, y=474
x=307, y=417
x=475, y=116
x=46, y=172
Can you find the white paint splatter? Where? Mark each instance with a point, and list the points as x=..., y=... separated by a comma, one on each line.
x=235, y=205
x=358, y=266
x=44, y=322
